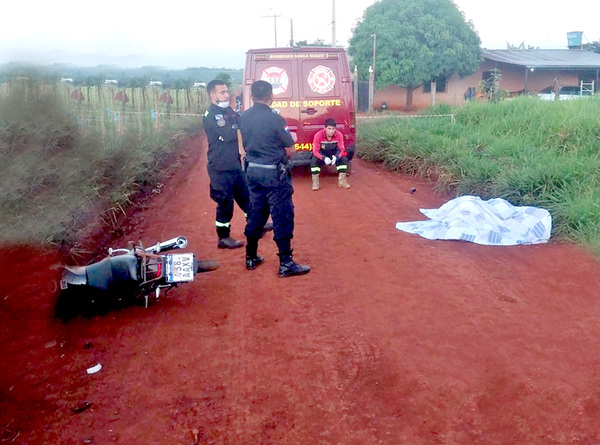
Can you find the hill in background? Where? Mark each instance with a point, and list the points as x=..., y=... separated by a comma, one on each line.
x=122, y=76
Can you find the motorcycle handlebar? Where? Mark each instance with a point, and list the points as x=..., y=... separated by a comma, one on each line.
x=175, y=243
x=111, y=251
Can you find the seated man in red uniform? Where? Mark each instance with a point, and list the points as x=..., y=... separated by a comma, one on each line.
x=328, y=149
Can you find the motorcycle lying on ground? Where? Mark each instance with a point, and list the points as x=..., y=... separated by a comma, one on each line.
x=126, y=276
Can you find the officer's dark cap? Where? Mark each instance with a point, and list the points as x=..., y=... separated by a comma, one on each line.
x=261, y=90
x=330, y=122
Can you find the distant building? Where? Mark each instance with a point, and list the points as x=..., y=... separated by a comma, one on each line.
x=155, y=83
x=524, y=71
x=66, y=80
x=111, y=81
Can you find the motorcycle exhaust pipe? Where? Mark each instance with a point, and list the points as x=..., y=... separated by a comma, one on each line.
x=175, y=243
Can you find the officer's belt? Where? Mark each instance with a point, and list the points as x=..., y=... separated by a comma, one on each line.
x=267, y=166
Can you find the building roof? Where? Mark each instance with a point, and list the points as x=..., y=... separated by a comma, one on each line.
x=575, y=59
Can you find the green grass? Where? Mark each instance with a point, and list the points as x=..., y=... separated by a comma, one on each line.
x=525, y=150
x=64, y=162
x=59, y=170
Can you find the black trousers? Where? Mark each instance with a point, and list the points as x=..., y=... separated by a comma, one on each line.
x=316, y=164
x=227, y=187
x=270, y=194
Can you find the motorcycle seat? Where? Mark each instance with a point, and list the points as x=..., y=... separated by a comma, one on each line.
x=112, y=271
x=74, y=275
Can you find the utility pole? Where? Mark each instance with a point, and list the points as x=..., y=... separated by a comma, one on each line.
x=371, y=89
x=274, y=24
x=291, y=33
x=356, y=81
x=333, y=40
x=374, y=50
x=372, y=75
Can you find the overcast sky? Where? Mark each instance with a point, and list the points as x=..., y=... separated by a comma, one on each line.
x=180, y=34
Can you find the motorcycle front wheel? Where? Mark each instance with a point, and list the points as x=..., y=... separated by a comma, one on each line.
x=208, y=265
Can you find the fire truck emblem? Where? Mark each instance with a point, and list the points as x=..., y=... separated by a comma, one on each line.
x=321, y=79
x=277, y=77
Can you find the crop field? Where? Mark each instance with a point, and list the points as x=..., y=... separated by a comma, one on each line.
x=72, y=153
x=108, y=108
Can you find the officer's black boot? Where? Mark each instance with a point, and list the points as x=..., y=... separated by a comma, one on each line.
x=226, y=241
x=287, y=266
x=253, y=259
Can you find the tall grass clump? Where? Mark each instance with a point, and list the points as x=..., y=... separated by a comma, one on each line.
x=57, y=172
x=525, y=150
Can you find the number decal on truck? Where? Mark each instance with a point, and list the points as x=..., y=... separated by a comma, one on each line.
x=277, y=77
x=307, y=146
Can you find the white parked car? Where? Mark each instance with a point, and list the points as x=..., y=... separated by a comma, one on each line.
x=566, y=93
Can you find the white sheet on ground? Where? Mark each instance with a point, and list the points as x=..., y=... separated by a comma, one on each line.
x=494, y=222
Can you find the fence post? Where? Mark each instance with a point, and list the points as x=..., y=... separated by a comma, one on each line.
x=157, y=121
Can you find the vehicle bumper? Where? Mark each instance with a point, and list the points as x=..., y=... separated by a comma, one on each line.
x=303, y=158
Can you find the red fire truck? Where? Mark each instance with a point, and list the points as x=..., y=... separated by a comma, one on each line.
x=310, y=85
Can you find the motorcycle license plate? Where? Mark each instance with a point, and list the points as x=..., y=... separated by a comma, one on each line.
x=180, y=267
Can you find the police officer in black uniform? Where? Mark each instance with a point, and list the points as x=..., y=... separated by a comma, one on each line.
x=227, y=180
x=266, y=141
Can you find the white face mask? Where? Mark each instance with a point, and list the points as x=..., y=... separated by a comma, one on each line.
x=223, y=104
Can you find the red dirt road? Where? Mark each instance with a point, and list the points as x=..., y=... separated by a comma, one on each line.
x=390, y=339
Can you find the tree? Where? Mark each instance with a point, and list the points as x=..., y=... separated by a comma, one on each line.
x=318, y=42
x=490, y=88
x=416, y=41
x=224, y=77
x=592, y=46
